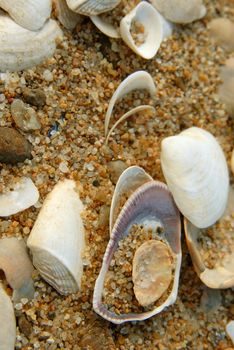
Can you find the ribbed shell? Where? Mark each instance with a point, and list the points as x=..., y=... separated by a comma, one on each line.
x=92, y=7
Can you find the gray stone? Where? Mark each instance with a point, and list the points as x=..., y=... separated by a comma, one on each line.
x=24, y=117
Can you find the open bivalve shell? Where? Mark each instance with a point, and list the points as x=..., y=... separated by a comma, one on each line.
x=7, y=322
x=138, y=80
x=57, y=238
x=221, y=273
x=180, y=11
x=196, y=173
x=30, y=14
x=24, y=195
x=21, y=48
x=141, y=202
x=92, y=7
x=142, y=30
x=18, y=269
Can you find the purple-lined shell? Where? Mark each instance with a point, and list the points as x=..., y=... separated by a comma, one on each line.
x=149, y=204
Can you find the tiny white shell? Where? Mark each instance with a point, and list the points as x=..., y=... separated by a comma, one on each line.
x=24, y=195
x=67, y=17
x=151, y=34
x=30, y=14
x=7, y=322
x=57, y=238
x=180, y=11
x=196, y=172
x=92, y=7
x=21, y=48
x=137, y=80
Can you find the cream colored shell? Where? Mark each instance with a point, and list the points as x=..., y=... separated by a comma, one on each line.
x=196, y=172
x=66, y=16
x=21, y=48
x=30, y=14
x=7, y=322
x=57, y=238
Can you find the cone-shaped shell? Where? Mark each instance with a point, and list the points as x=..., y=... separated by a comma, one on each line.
x=30, y=14
x=180, y=11
x=7, y=322
x=149, y=204
x=21, y=48
x=92, y=7
x=57, y=238
x=196, y=173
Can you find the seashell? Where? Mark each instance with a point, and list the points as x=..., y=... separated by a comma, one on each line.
x=222, y=275
x=92, y=7
x=57, y=238
x=67, y=17
x=226, y=90
x=232, y=162
x=230, y=330
x=24, y=195
x=21, y=48
x=7, y=322
x=149, y=202
x=30, y=14
x=196, y=173
x=142, y=30
x=180, y=11
x=137, y=80
x=152, y=271
x=105, y=27
x=15, y=263
x=222, y=30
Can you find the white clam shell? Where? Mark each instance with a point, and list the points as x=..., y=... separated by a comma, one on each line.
x=196, y=172
x=149, y=19
x=67, y=17
x=57, y=238
x=138, y=209
x=30, y=14
x=7, y=322
x=230, y=330
x=92, y=7
x=24, y=195
x=15, y=263
x=21, y=48
x=105, y=27
x=135, y=81
x=180, y=11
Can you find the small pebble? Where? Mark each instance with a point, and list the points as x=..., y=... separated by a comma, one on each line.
x=47, y=75
x=116, y=167
x=25, y=326
x=35, y=97
x=25, y=117
x=14, y=147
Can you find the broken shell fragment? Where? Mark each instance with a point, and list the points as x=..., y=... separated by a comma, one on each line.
x=135, y=81
x=149, y=204
x=23, y=195
x=180, y=11
x=222, y=30
x=152, y=271
x=196, y=173
x=15, y=263
x=142, y=30
x=222, y=275
x=67, y=17
x=57, y=238
x=30, y=14
x=92, y=7
x=21, y=48
x=7, y=322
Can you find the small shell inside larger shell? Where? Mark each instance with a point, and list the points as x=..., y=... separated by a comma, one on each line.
x=152, y=271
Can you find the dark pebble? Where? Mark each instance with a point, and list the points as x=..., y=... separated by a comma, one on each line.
x=14, y=147
x=35, y=97
x=25, y=326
